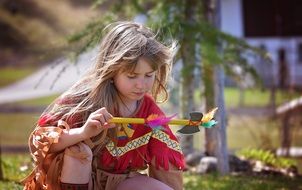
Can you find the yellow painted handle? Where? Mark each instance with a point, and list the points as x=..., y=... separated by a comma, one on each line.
x=206, y=118
x=142, y=121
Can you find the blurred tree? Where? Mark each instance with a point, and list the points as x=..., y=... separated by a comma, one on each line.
x=191, y=22
x=216, y=142
x=33, y=32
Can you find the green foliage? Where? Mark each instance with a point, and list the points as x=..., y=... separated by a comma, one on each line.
x=173, y=20
x=90, y=36
x=267, y=158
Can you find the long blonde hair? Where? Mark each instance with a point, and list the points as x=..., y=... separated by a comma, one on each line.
x=119, y=50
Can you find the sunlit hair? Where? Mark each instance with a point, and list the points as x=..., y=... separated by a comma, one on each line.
x=119, y=51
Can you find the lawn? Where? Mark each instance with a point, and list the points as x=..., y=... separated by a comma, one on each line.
x=255, y=97
x=234, y=182
x=43, y=101
x=16, y=167
x=16, y=127
x=10, y=75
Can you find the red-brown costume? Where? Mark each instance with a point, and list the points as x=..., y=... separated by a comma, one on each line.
x=137, y=147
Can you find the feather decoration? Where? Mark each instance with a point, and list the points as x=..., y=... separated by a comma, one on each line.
x=157, y=122
x=209, y=116
x=207, y=120
x=209, y=124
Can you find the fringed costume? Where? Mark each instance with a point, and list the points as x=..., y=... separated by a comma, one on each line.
x=137, y=147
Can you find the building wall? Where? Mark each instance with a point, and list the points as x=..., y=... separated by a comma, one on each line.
x=232, y=23
x=231, y=17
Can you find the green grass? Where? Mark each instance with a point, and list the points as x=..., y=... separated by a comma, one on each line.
x=10, y=75
x=253, y=97
x=256, y=97
x=15, y=128
x=17, y=166
x=215, y=182
x=43, y=101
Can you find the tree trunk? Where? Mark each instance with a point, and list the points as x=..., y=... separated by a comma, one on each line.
x=209, y=82
x=210, y=134
x=216, y=137
x=222, y=148
x=187, y=77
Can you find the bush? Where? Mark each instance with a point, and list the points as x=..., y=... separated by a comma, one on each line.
x=266, y=157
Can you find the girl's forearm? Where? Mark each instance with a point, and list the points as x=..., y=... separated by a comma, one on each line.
x=68, y=138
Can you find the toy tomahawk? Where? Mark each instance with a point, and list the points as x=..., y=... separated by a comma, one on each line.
x=191, y=125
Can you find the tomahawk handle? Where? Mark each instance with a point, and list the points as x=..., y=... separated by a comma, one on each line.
x=143, y=121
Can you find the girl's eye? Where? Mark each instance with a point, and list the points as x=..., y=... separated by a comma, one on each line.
x=131, y=76
x=149, y=75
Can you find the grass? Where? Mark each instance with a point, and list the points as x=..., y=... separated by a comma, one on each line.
x=256, y=97
x=10, y=75
x=43, y=101
x=216, y=182
x=15, y=128
x=16, y=167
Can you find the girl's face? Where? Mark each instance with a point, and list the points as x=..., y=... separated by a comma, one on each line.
x=132, y=85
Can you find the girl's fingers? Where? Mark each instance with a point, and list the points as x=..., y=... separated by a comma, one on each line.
x=102, y=113
x=103, y=120
x=96, y=123
x=99, y=117
x=103, y=117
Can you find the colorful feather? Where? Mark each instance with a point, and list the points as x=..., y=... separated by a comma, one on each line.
x=209, y=116
x=209, y=124
x=157, y=122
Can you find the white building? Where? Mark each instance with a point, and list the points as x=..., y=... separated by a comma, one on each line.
x=275, y=25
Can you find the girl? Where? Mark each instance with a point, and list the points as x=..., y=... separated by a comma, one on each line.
x=75, y=146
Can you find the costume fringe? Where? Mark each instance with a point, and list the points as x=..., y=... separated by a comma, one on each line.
x=141, y=156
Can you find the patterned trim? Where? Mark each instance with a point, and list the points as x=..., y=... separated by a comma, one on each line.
x=138, y=142
x=163, y=137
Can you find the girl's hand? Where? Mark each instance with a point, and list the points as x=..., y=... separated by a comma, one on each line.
x=96, y=122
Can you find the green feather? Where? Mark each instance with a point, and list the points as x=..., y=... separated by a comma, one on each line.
x=209, y=124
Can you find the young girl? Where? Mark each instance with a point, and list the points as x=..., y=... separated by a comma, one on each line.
x=75, y=146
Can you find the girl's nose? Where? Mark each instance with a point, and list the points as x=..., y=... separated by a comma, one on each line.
x=140, y=83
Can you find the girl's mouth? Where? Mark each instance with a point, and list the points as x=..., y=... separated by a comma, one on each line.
x=139, y=93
